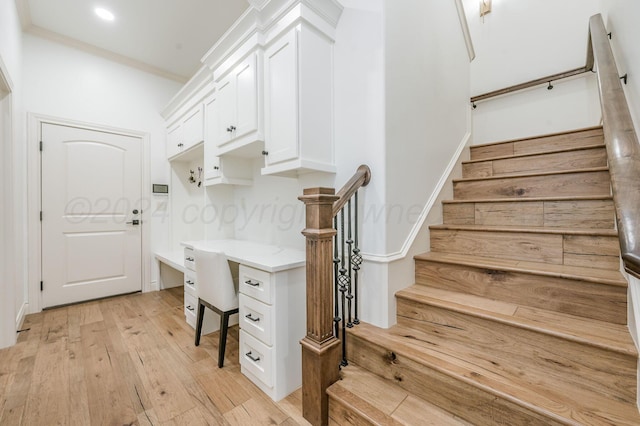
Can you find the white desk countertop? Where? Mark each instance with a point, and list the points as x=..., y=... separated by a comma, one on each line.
x=266, y=257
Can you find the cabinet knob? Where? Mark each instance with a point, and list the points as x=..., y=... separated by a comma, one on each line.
x=180, y=145
x=265, y=153
x=216, y=168
x=231, y=129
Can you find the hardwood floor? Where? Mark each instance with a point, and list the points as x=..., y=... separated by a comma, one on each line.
x=129, y=360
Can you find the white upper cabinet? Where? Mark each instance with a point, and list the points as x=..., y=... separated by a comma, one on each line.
x=238, y=120
x=187, y=132
x=299, y=103
x=218, y=170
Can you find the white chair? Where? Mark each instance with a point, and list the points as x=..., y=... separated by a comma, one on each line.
x=216, y=290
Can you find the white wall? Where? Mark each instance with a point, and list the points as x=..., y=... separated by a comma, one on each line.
x=64, y=82
x=12, y=274
x=621, y=18
x=521, y=41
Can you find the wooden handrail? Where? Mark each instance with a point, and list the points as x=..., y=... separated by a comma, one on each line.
x=622, y=147
x=361, y=178
x=588, y=66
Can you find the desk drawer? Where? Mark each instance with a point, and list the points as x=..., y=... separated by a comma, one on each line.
x=256, y=283
x=190, y=284
x=190, y=308
x=256, y=318
x=189, y=259
x=256, y=357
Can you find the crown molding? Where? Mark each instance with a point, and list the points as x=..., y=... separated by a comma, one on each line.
x=106, y=54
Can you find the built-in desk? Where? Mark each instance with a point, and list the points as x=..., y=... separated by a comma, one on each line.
x=272, y=307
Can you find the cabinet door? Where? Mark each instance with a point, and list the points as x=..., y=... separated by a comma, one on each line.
x=225, y=110
x=281, y=99
x=193, y=127
x=245, y=76
x=174, y=140
x=211, y=161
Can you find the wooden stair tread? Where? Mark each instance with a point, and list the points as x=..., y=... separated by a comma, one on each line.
x=602, y=276
x=608, y=336
x=382, y=402
x=538, y=174
x=546, y=135
x=532, y=199
x=560, y=404
x=557, y=151
x=530, y=230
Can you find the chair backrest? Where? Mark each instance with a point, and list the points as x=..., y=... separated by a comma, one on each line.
x=214, y=283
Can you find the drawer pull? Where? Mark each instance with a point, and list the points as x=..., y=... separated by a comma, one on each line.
x=249, y=317
x=190, y=282
x=190, y=259
x=251, y=357
x=190, y=308
x=252, y=284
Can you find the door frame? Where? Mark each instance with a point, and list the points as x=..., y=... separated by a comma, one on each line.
x=34, y=129
x=10, y=319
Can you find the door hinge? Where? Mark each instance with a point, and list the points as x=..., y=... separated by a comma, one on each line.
x=40, y=146
x=41, y=286
x=40, y=215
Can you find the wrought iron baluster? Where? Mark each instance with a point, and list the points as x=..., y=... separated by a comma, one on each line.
x=336, y=261
x=356, y=260
x=349, y=318
x=343, y=283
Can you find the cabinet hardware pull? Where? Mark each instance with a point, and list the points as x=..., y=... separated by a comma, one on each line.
x=265, y=152
x=233, y=128
x=190, y=259
x=252, y=358
x=252, y=284
x=189, y=282
x=180, y=145
x=216, y=168
x=249, y=317
x=190, y=308
x=229, y=129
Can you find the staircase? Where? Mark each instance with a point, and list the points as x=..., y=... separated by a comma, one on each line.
x=518, y=313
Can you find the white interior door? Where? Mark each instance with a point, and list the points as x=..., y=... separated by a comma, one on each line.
x=91, y=196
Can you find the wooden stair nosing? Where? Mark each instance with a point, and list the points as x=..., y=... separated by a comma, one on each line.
x=514, y=321
x=536, y=154
x=380, y=401
x=595, y=232
x=544, y=269
x=544, y=136
x=532, y=199
x=354, y=404
x=498, y=388
x=539, y=174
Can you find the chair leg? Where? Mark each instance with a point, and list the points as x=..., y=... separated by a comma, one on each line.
x=199, y=322
x=222, y=345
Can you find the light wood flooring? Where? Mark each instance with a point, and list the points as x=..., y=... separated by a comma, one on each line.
x=129, y=360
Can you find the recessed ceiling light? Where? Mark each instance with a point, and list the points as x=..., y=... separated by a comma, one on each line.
x=104, y=14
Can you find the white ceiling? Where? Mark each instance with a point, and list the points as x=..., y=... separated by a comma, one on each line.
x=167, y=37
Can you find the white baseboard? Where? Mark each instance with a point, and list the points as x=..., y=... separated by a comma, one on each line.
x=21, y=314
x=402, y=253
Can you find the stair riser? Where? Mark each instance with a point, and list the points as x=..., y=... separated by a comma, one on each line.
x=589, y=300
x=474, y=404
x=586, y=214
x=539, y=145
x=557, y=161
x=593, y=251
x=532, y=356
x=342, y=416
x=592, y=183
